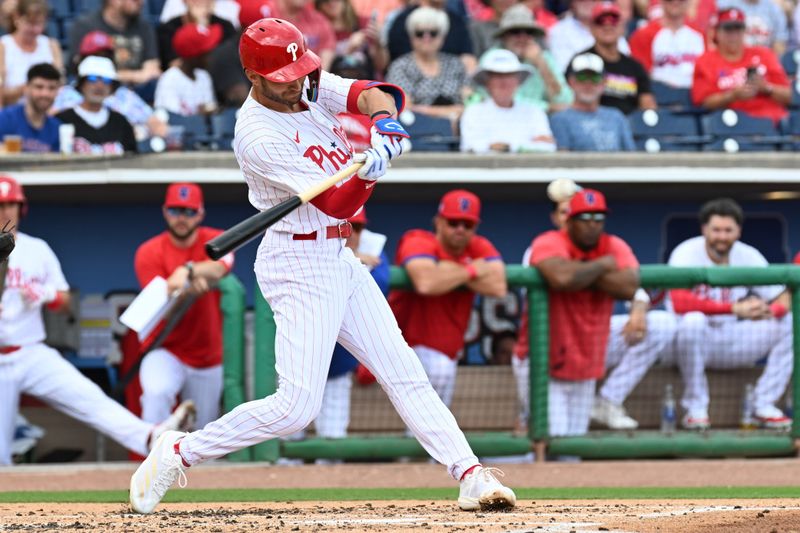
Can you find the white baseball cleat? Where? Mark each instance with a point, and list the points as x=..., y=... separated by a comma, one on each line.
x=181, y=419
x=771, y=417
x=481, y=490
x=612, y=415
x=157, y=473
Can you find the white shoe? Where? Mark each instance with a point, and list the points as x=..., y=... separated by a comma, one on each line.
x=157, y=473
x=771, y=417
x=696, y=420
x=612, y=415
x=481, y=490
x=181, y=419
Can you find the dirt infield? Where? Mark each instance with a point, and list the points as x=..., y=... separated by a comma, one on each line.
x=547, y=516
x=679, y=516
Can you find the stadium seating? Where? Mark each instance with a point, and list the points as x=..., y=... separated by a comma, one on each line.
x=222, y=128
x=195, y=135
x=792, y=130
x=732, y=131
x=672, y=98
x=430, y=134
x=658, y=131
x=790, y=60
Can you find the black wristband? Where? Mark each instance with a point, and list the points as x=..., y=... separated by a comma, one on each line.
x=381, y=112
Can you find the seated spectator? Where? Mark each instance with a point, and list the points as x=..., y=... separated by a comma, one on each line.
x=355, y=36
x=124, y=100
x=186, y=87
x=225, y=67
x=500, y=124
x=586, y=270
x=730, y=327
x=98, y=130
x=572, y=34
x=546, y=86
x=482, y=31
x=199, y=12
x=699, y=16
x=433, y=80
x=627, y=85
x=587, y=126
x=544, y=17
x=24, y=47
x=316, y=28
x=766, y=23
x=668, y=47
x=745, y=78
x=29, y=119
x=227, y=10
x=135, y=48
x=456, y=39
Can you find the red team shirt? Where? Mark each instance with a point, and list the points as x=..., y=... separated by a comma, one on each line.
x=438, y=322
x=713, y=74
x=197, y=339
x=579, y=320
x=668, y=56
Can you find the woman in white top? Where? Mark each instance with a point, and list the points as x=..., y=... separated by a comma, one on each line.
x=24, y=47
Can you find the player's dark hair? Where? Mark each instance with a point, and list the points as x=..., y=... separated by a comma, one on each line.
x=43, y=70
x=554, y=206
x=722, y=207
x=499, y=337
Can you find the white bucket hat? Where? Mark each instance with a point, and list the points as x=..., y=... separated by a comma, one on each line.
x=500, y=61
x=97, y=66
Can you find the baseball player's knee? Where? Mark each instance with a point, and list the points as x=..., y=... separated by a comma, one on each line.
x=298, y=406
x=692, y=327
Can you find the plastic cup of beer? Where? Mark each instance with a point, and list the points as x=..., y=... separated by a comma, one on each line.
x=13, y=143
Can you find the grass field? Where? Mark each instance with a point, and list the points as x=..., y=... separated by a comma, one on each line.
x=386, y=494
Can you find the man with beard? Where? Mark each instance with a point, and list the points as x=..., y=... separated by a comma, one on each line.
x=98, y=129
x=730, y=327
x=588, y=126
x=189, y=361
x=586, y=269
x=29, y=118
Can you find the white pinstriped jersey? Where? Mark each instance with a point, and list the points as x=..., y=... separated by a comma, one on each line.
x=282, y=154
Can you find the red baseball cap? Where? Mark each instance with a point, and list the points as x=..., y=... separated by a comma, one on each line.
x=730, y=17
x=95, y=41
x=602, y=9
x=184, y=195
x=587, y=201
x=360, y=217
x=460, y=205
x=253, y=10
x=192, y=40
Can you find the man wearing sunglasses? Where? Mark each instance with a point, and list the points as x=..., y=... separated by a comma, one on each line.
x=435, y=315
x=588, y=126
x=98, y=129
x=189, y=361
x=586, y=270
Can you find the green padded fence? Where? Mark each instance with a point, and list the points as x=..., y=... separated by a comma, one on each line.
x=596, y=446
x=232, y=304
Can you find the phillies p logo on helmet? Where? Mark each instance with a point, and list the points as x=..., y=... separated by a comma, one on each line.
x=292, y=49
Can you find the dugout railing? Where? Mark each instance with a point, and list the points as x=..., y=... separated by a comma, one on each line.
x=594, y=445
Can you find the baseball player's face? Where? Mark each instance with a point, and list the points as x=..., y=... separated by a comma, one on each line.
x=278, y=96
x=182, y=222
x=9, y=212
x=585, y=229
x=455, y=234
x=720, y=233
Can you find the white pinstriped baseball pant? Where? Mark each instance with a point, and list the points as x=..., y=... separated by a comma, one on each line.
x=319, y=292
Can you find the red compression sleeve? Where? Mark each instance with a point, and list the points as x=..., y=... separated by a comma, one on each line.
x=57, y=303
x=344, y=201
x=685, y=301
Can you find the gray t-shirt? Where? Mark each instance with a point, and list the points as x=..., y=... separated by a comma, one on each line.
x=132, y=46
x=605, y=130
x=766, y=22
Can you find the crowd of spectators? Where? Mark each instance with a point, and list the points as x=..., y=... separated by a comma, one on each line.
x=183, y=61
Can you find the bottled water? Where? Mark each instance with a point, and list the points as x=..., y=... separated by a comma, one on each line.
x=668, y=415
x=748, y=419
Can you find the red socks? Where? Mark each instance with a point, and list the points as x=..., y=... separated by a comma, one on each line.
x=467, y=472
x=177, y=448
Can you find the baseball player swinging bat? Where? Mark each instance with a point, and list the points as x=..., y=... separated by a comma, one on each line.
x=252, y=227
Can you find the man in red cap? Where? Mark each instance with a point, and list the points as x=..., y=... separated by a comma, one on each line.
x=586, y=269
x=189, y=361
x=627, y=85
x=739, y=77
x=186, y=87
x=435, y=315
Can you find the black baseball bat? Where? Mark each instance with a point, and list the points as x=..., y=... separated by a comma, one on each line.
x=250, y=228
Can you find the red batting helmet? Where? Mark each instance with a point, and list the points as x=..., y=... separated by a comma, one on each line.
x=276, y=49
x=11, y=191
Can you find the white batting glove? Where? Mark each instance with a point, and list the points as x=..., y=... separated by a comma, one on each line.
x=391, y=146
x=36, y=294
x=375, y=164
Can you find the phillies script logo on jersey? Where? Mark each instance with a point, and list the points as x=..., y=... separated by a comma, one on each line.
x=15, y=279
x=337, y=153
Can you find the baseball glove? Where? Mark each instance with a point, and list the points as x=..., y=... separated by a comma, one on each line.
x=6, y=243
